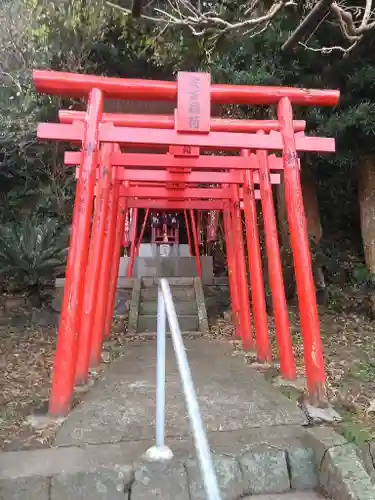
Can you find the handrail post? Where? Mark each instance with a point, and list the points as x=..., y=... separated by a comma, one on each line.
x=196, y=421
x=160, y=451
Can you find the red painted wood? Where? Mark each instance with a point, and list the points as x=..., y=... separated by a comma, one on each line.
x=193, y=178
x=104, y=280
x=67, y=343
x=133, y=240
x=168, y=122
x=162, y=161
x=93, y=267
x=310, y=328
x=170, y=181
x=196, y=243
x=183, y=151
x=173, y=194
x=245, y=326
x=165, y=177
x=156, y=137
x=181, y=204
x=212, y=226
x=72, y=84
x=213, y=140
x=188, y=231
x=177, y=205
x=193, y=113
x=115, y=265
x=275, y=271
x=232, y=272
x=258, y=299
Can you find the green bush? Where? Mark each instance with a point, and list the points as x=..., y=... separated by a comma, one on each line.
x=32, y=253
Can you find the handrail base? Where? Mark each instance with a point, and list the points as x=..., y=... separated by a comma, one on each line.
x=159, y=454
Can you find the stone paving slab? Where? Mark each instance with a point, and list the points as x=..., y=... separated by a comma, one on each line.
x=34, y=488
x=266, y=470
x=163, y=481
x=70, y=460
x=99, y=485
x=232, y=397
x=107, y=471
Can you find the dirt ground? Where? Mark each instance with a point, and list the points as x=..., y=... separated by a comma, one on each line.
x=348, y=336
x=26, y=358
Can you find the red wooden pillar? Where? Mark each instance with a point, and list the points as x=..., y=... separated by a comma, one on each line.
x=125, y=243
x=142, y=230
x=275, y=273
x=94, y=265
x=242, y=284
x=67, y=344
x=263, y=347
x=133, y=241
x=103, y=288
x=196, y=243
x=188, y=231
x=231, y=262
x=313, y=352
x=115, y=265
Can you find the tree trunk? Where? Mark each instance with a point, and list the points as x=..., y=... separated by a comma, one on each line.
x=314, y=229
x=366, y=192
x=285, y=248
x=310, y=202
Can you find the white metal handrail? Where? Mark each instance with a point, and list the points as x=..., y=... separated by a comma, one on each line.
x=160, y=451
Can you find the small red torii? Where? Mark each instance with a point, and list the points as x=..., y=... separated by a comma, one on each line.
x=179, y=144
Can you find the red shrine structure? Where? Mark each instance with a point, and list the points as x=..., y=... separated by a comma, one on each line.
x=194, y=163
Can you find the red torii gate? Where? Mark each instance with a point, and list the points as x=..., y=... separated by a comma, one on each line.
x=92, y=267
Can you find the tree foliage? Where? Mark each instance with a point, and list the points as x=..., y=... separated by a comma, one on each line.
x=80, y=36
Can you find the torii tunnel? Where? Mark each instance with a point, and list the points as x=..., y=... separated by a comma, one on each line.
x=193, y=163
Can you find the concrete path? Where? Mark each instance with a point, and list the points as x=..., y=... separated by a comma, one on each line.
x=232, y=397
x=256, y=436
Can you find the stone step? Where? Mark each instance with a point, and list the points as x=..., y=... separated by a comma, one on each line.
x=179, y=293
x=183, y=308
x=151, y=282
x=260, y=472
x=185, y=334
x=117, y=472
x=147, y=323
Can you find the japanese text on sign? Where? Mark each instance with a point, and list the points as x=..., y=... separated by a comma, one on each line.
x=194, y=106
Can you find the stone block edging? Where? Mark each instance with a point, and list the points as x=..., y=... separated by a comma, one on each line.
x=98, y=472
x=134, y=306
x=366, y=453
x=201, y=306
x=317, y=457
x=341, y=473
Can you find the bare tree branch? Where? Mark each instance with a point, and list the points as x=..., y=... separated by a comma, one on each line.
x=252, y=18
x=329, y=50
x=199, y=21
x=367, y=14
x=348, y=27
